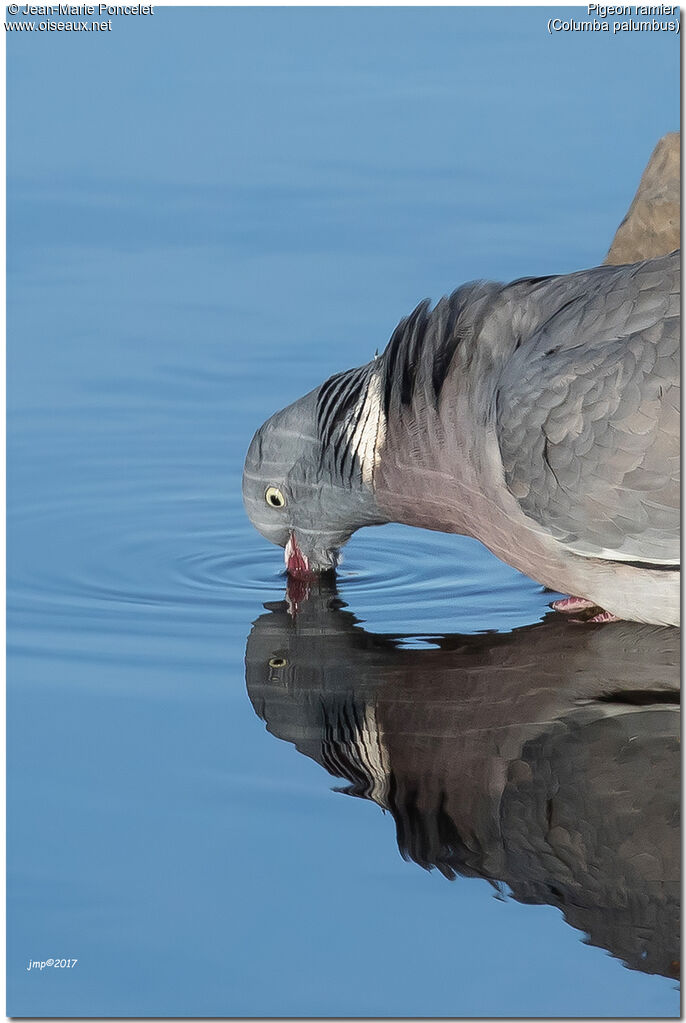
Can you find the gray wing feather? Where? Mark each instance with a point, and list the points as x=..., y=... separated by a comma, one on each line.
x=587, y=413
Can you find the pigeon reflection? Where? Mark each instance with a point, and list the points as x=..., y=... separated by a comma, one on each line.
x=546, y=759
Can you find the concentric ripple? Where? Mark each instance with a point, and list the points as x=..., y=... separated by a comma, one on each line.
x=170, y=559
x=420, y=582
x=123, y=556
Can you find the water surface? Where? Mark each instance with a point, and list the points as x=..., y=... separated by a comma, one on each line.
x=232, y=205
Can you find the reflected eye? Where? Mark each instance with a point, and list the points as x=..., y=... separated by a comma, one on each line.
x=274, y=497
x=277, y=662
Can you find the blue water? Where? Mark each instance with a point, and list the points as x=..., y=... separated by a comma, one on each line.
x=209, y=211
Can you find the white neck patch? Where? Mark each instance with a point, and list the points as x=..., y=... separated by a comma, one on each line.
x=366, y=430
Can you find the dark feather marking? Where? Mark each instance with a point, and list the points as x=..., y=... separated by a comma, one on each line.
x=325, y=403
x=362, y=425
x=494, y=410
x=533, y=280
x=336, y=408
x=341, y=742
x=419, y=325
x=401, y=353
x=547, y=461
x=336, y=400
x=334, y=388
x=544, y=325
x=652, y=566
x=445, y=351
x=424, y=344
x=642, y=697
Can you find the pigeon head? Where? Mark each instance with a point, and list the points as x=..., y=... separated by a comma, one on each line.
x=292, y=495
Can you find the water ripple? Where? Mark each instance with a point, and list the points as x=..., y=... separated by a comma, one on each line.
x=146, y=559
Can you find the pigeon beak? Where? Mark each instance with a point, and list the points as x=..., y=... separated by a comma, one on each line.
x=297, y=563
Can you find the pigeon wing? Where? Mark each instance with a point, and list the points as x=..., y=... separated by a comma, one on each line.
x=587, y=413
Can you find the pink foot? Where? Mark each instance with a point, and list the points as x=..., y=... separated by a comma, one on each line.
x=570, y=604
x=604, y=616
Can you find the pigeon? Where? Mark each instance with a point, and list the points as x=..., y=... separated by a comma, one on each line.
x=540, y=417
x=545, y=759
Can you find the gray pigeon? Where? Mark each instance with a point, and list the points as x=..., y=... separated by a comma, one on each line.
x=540, y=417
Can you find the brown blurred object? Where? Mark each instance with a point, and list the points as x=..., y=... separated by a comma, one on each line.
x=652, y=225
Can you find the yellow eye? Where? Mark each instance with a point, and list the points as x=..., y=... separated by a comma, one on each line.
x=277, y=662
x=274, y=497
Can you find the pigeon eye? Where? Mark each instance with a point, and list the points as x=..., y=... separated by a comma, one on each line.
x=274, y=497
x=277, y=662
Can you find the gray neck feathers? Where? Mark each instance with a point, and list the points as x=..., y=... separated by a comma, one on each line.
x=425, y=345
x=354, y=407
x=466, y=338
